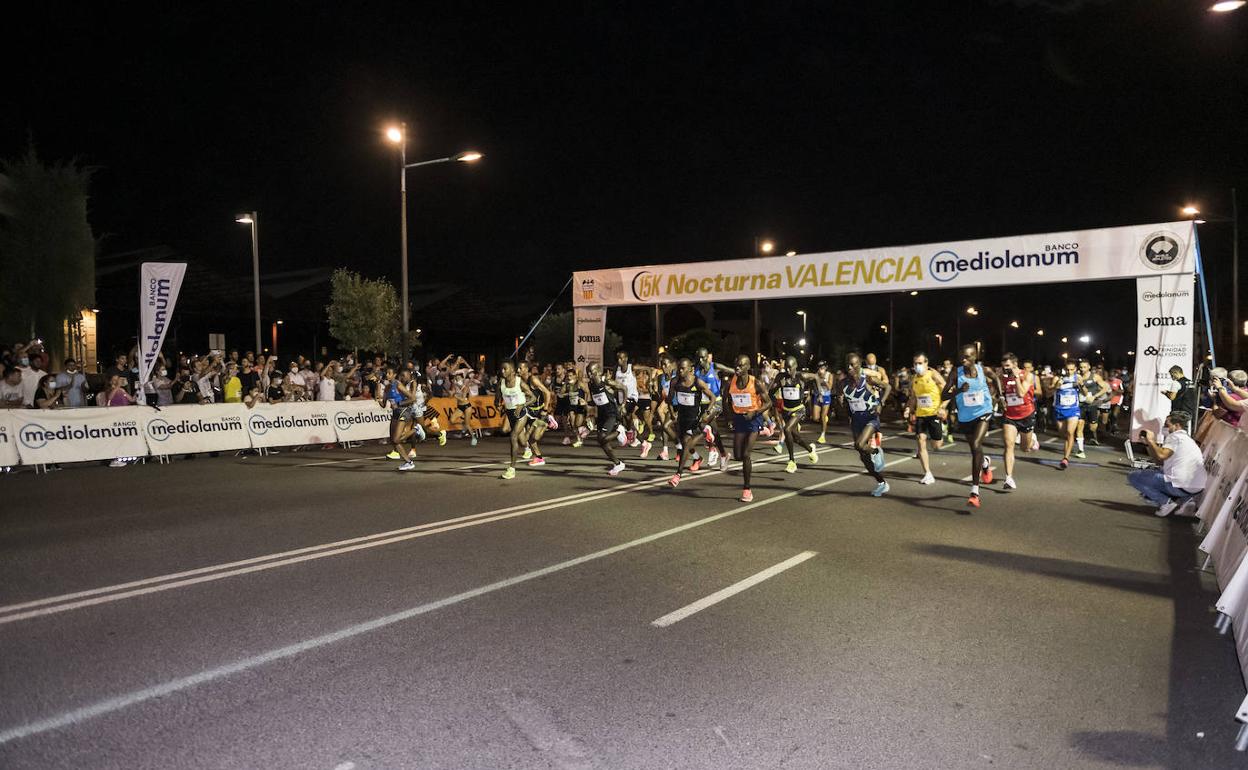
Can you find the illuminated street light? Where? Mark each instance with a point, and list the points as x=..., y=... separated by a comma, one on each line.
x=972, y=311
x=1226, y=6
x=1039, y=332
x=469, y=156
x=1063, y=339
x=1130, y=352
x=1190, y=211
x=914, y=294
x=802, y=342
x=802, y=313
x=766, y=247
x=1085, y=339
x=884, y=328
x=1014, y=324
x=253, y=219
x=1064, y=355
x=790, y=254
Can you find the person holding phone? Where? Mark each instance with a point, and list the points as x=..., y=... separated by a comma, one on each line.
x=1182, y=473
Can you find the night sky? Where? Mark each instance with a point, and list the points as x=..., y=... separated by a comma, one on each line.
x=618, y=137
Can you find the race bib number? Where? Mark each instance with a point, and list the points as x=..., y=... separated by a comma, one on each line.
x=1068, y=399
x=600, y=398
x=742, y=400
x=685, y=398
x=513, y=402
x=791, y=394
x=857, y=405
x=574, y=399
x=1012, y=399
x=924, y=402
x=973, y=398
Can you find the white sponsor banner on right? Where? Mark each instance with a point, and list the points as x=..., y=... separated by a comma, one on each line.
x=1164, y=322
x=292, y=424
x=360, y=420
x=8, y=441
x=78, y=435
x=188, y=428
x=590, y=332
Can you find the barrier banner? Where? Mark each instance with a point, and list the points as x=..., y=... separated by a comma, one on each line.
x=1082, y=255
x=1226, y=456
x=159, y=285
x=590, y=334
x=292, y=424
x=484, y=413
x=359, y=420
x=188, y=428
x=8, y=441
x=78, y=435
x=1165, y=320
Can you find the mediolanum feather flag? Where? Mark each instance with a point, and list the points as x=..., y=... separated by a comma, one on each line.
x=159, y=285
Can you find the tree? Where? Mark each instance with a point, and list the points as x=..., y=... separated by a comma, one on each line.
x=364, y=313
x=552, y=341
x=47, y=249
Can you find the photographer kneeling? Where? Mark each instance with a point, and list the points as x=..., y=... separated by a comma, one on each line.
x=1182, y=471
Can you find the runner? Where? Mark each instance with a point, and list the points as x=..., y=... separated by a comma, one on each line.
x=1112, y=408
x=1017, y=389
x=562, y=387
x=863, y=392
x=513, y=395
x=578, y=395
x=643, y=420
x=402, y=418
x=822, y=400
x=690, y=397
x=626, y=396
x=926, y=409
x=603, y=393
x=461, y=391
x=426, y=415
x=1066, y=389
x=1040, y=401
x=790, y=385
x=708, y=372
x=539, y=399
x=660, y=389
x=949, y=426
x=749, y=402
x=1095, y=392
x=974, y=401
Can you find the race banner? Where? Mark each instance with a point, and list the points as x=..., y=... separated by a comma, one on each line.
x=1225, y=449
x=590, y=330
x=190, y=428
x=292, y=424
x=359, y=420
x=8, y=441
x=484, y=413
x=159, y=285
x=1165, y=320
x=1082, y=255
x=77, y=435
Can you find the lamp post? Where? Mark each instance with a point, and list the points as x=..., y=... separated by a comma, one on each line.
x=802, y=313
x=971, y=311
x=761, y=246
x=398, y=135
x=253, y=219
x=1200, y=219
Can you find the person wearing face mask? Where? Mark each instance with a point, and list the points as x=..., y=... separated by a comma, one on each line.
x=926, y=411
x=32, y=375
x=296, y=383
x=73, y=383
x=1182, y=473
x=161, y=385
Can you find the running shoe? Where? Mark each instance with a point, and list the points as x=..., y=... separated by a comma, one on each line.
x=712, y=457
x=578, y=444
x=551, y=422
x=779, y=447
x=1064, y=464
x=650, y=437
x=632, y=438
x=1009, y=483
x=928, y=478
x=582, y=431
x=747, y=496
x=877, y=460
x=696, y=465
x=537, y=461
x=813, y=456
x=709, y=433
x=419, y=430
x=635, y=443
x=973, y=500
x=791, y=467
x=723, y=462
x=674, y=480
x=646, y=446
x=615, y=469
x=411, y=454
x=823, y=439
x=880, y=489
x=1081, y=455
x=408, y=466
x=394, y=455
x=1167, y=509
x=663, y=453
x=509, y=473
x=442, y=438
x=473, y=442
x=528, y=452
x=985, y=476
x=567, y=441
x=620, y=437
x=1093, y=441
x=765, y=431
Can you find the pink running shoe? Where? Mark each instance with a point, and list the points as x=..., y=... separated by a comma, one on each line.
x=663, y=453
x=709, y=433
x=674, y=480
x=645, y=449
x=551, y=422
x=747, y=496
x=537, y=461
x=696, y=465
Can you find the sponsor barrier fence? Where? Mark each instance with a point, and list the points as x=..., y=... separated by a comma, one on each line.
x=1224, y=510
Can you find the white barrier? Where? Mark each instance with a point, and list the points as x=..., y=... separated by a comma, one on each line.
x=293, y=424
x=360, y=420
x=8, y=441
x=190, y=428
x=76, y=435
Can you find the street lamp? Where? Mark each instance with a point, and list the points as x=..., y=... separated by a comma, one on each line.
x=1039, y=332
x=1014, y=324
x=253, y=219
x=1226, y=6
x=1085, y=339
x=1192, y=211
x=766, y=247
x=971, y=311
x=398, y=135
x=801, y=343
x=802, y=313
x=790, y=254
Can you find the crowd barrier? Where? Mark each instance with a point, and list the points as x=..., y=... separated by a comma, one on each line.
x=1223, y=510
x=44, y=436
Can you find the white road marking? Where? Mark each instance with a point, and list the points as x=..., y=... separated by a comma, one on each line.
x=732, y=590
x=339, y=462
x=135, y=697
x=55, y=604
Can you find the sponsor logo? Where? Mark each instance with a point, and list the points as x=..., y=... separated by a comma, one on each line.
x=34, y=436
x=4, y=436
x=158, y=297
x=1149, y=296
x=259, y=425
x=161, y=429
x=649, y=286
x=592, y=319
x=344, y=421
x=1161, y=250
x=587, y=288
x=588, y=338
x=946, y=265
x=1166, y=351
x=644, y=289
x=1164, y=320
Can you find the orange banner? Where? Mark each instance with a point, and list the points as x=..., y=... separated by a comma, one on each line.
x=484, y=413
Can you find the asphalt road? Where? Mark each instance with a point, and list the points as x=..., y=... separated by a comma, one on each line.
x=318, y=609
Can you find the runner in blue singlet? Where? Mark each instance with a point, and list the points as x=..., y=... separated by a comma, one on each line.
x=863, y=392
x=973, y=396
